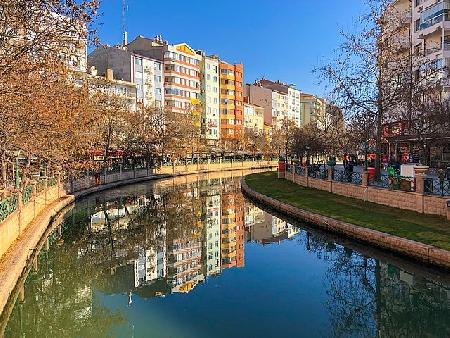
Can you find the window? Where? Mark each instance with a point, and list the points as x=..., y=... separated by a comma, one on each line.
x=138, y=62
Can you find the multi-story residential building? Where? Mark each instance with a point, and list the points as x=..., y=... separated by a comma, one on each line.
x=285, y=101
x=210, y=120
x=313, y=110
x=145, y=72
x=279, y=100
x=181, y=71
x=253, y=118
x=418, y=35
x=109, y=85
x=231, y=102
x=261, y=97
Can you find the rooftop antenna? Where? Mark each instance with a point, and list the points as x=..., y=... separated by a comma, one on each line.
x=124, y=24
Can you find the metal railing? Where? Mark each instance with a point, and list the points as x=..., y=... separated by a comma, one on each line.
x=8, y=205
x=346, y=176
x=436, y=186
x=27, y=193
x=320, y=173
x=300, y=171
x=394, y=182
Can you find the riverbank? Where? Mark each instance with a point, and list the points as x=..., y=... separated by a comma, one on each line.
x=423, y=237
x=14, y=261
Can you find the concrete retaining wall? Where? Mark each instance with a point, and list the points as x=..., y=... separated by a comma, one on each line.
x=418, y=251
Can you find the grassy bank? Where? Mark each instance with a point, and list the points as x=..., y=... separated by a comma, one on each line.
x=427, y=229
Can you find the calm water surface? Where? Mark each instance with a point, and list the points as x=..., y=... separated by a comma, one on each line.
x=193, y=258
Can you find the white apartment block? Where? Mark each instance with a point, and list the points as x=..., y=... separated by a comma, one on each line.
x=294, y=105
x=210, y=119
x=148, y=75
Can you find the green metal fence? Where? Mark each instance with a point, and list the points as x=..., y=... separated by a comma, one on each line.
x=8, y=205
x=27, y=193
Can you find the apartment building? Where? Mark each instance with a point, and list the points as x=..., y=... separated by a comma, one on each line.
x=279, y=100
x=146, y=73
x=181, y=71
x=109, y=85
x=419, y=31
x=210, y=96
x=253, y=118
x=313, y=110
x=231, y=102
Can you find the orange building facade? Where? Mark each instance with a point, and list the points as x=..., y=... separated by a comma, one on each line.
x=231, y=102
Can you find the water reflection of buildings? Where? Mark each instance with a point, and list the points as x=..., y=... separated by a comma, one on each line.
x=232, y=227
x=212, y=217
x=264, y=228
x=203, y=236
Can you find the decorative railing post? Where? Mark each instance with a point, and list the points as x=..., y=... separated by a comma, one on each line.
x=19, y=208
x=45, y=189
x=120, y=172
x=58, y=183
x=33, y=196
x=365, y=178
x=420, y=175
x=448, y=210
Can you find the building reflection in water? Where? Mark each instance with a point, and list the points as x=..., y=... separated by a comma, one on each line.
x=171, y=237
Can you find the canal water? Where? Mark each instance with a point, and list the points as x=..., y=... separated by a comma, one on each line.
x=191, y=257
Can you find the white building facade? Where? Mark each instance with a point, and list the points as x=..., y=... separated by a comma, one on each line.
x=210, y=119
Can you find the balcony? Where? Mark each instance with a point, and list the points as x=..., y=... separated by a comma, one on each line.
x=434, y=15
x=432, y=50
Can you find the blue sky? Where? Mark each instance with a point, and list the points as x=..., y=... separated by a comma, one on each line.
x=276, y=39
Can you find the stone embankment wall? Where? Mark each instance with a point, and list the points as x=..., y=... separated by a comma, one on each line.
x=418, y=251
x=414, y=201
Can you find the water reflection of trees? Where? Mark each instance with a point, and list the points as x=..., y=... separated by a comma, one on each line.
x=368, y=297
x=59, y=297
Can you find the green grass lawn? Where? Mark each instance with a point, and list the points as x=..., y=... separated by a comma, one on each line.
x=428, y=229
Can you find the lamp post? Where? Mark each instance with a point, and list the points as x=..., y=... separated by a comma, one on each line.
x=366, y=146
